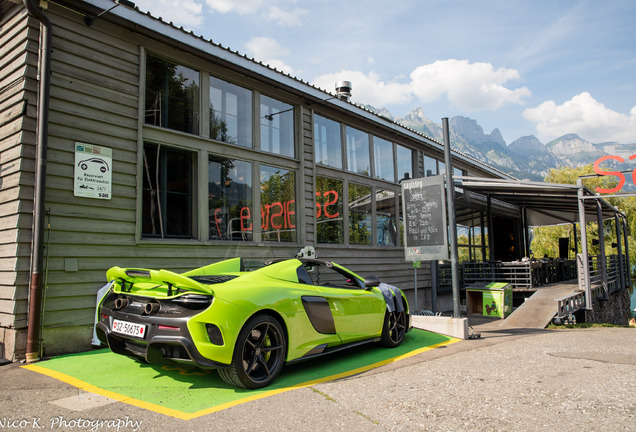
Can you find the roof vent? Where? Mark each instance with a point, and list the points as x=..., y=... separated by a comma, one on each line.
x=343, y=90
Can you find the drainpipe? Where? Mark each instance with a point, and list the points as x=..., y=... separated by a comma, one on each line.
x=36, y=284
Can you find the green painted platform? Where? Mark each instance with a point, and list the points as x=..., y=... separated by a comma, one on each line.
x=187, y=394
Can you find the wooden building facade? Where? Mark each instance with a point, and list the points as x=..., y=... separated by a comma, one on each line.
x=165, y=150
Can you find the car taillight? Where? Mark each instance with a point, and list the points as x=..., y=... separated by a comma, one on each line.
x=193, y=301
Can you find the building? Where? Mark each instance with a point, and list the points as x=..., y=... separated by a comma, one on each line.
x=127, y=141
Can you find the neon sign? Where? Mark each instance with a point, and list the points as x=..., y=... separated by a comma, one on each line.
x=621, y=177
x=281, y=214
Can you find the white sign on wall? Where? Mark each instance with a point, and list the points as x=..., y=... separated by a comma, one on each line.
x=93, y=171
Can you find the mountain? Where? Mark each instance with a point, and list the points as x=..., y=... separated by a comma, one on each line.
x=526, y=158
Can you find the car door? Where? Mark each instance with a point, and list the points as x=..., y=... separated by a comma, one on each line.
x=358, y=313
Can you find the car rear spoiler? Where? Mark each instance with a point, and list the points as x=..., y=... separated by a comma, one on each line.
x=173, y=282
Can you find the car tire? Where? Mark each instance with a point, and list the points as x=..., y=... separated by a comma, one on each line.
x=394, y=328
x=259, y=354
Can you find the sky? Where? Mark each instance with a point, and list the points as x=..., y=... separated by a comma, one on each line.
x=542, y=67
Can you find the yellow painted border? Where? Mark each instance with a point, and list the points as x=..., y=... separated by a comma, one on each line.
x=188, y=416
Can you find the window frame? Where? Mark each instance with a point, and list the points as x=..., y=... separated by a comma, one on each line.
x=163, y=210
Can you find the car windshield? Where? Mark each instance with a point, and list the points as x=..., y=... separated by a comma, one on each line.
x=322, y=275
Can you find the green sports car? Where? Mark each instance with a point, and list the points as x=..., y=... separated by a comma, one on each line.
x=247, y=324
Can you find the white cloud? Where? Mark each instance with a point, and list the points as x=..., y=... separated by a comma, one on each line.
x=265, y=47
x=268, y=51
x=470, y=86
x=282, y=16
x=242, y=7
x=367, y=89
x=474, y=87
x=286, y=18
x=185, y=13
x=586, y=116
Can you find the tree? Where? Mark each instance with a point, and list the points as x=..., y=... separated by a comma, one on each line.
x=545, y=239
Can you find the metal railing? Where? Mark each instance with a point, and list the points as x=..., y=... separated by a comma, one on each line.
x=520, y=274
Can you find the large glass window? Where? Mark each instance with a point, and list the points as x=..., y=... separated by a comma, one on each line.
x=167, y=192
x=230, y=199
x=430, y=166
x=327, y=142
x=404, y=162
x=330, y=225
x=278, y=204
x=383, y=154
x=386, y=233
x=230, y=113
x=172, y=95
x=358, y=160
x=360, y=211
x=277, y=127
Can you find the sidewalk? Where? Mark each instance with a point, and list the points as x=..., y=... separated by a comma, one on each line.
x=507, y=380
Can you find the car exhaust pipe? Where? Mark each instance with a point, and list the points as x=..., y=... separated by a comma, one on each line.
x=120, y=303
x=151, y=308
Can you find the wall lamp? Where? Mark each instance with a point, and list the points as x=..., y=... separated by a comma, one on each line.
x=126, y=3
x=270, y=117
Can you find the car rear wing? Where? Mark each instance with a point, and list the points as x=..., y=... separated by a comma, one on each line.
x=150, y=282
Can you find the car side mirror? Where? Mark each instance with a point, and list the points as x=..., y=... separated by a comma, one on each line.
x=371, y=281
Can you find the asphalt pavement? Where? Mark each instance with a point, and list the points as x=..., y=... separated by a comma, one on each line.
x=507, y=380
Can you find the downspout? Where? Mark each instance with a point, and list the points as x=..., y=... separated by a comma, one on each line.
x=37, y=245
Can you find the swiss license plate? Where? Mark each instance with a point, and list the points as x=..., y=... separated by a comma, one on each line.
x=128, y=328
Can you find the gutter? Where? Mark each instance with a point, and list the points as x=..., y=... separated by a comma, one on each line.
x=34, y=334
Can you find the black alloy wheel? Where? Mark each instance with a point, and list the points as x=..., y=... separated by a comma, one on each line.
x=259, y=354
x=395, y=324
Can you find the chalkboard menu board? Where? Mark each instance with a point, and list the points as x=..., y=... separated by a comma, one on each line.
x=424, y=213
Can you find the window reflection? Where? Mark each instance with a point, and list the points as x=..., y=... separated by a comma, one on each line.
x=278, y=204
x=358, y=160
x=172, y=95
x=383, y=154
x=327, y=142
x=329, y=219
x=404, y=162
x=430, y=166
x=360, y=211
x=230, y=113
x=167, y=192
x=277, y=127
x=230, y=199
x=386, y=234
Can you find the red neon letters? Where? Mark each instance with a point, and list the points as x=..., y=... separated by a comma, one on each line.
x=281, y=215
x=621, y=177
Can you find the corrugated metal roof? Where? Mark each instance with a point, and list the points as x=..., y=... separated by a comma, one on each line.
x=546, y=203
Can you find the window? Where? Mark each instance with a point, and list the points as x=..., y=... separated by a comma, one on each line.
x=278, y=204
x=330, y=226
x=327, y=142
x=360, y=211
x=430, y=166
x=358, y=160
x=277, y=127
x=441, y=167
x=167, y=192
x=230, y=199
x=383, y=154
x=230, y=113
x=471, y=243
x=386, y=234
x=404, y=162
x=172, y=95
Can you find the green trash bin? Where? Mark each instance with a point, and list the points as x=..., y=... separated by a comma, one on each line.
x=490, y=300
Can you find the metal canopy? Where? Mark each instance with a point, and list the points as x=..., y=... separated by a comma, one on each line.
x=545, y=203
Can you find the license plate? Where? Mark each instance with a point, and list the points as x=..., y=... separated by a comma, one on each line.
x=128, y=328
